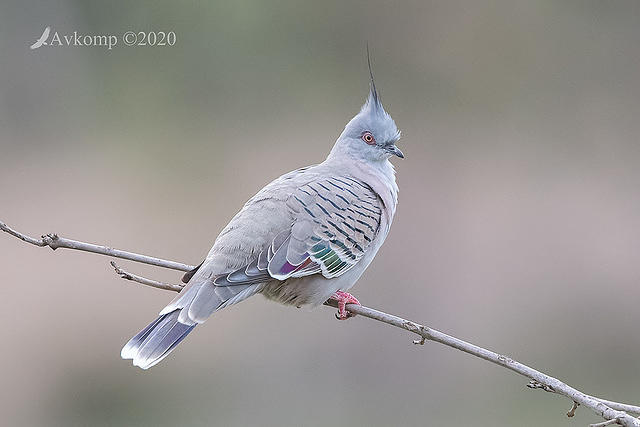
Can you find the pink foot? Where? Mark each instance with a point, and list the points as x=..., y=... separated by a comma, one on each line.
x=344, y=298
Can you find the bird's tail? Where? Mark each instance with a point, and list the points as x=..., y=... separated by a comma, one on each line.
x=196, y=302
x=156, y=341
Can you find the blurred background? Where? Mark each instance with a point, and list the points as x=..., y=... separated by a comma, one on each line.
x=518, y=226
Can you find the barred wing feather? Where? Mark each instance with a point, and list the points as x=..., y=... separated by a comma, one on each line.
x=335, y=221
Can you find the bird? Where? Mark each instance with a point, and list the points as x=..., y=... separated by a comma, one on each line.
x=303, y=239
x=42, y=40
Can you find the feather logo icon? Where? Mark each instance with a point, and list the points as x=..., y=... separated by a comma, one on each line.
x=42, y=40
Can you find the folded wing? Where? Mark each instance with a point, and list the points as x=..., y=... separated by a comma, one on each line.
x=335, y=222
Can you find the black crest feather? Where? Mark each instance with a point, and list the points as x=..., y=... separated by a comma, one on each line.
x=374, y=97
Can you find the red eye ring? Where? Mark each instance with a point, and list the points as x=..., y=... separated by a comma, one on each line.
x=368, y=138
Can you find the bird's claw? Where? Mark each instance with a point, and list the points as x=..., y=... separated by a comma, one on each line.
x=346, y=315
x=344, y=298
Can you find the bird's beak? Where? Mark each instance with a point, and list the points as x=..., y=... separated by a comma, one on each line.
x=394, y=150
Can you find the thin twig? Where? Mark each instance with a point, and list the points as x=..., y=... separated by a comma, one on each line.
x=631, y=409
x=605, y=423
x=38, y=242
x=54, y=242
x=572, y=412
x=139, y=279
x=604, y=408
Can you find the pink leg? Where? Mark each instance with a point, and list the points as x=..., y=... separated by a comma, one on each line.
x=343, y=299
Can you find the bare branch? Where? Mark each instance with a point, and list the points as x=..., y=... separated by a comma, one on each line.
x=612, y=412
x=54, y=242
x=38, y=242
x=605, y=423
x=632, y=409
x=552, y=383
x=139, y=279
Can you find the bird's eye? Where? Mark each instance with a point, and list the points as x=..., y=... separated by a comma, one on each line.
x=368, y=138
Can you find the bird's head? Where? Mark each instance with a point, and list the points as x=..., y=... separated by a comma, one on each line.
x=372, y=134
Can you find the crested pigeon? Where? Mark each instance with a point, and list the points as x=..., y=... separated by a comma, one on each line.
x=303, y=239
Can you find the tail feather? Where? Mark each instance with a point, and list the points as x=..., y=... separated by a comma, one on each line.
x=193, y=306
x=156, y=341
x=130, y=349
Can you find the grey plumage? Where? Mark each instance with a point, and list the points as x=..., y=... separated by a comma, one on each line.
x=300, y=239
x=156, y=341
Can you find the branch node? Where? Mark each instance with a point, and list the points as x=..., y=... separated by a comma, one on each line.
x=538, y=385
x=51, y=240
x=572, y=411
x=120, y=272
x=504, y=359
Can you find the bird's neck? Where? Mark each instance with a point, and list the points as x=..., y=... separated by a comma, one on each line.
x=382, y=178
